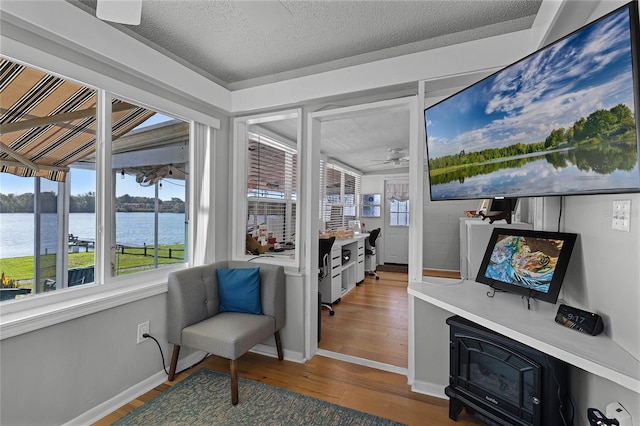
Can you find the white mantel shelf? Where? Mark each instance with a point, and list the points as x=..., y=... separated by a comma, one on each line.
x=507, y=314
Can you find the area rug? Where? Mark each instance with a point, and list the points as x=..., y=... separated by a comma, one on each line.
x=204, y=398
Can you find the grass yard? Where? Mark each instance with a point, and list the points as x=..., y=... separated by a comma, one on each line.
x=132, y=260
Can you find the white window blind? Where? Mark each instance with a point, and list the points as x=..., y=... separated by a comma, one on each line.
x=339, y=195
x=271, y=187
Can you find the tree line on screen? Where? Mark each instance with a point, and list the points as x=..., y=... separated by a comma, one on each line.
x=85, y=203
x=614, y=125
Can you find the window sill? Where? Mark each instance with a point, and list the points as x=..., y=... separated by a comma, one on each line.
x=26, y=315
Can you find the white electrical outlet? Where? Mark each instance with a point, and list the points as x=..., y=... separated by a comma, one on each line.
x=143, y=329
x=621, y=215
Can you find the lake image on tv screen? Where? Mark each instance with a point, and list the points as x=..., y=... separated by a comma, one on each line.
x=560, y=121
x=524, y=261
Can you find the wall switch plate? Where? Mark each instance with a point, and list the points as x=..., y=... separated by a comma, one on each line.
x=621, y=215
x=143, y=329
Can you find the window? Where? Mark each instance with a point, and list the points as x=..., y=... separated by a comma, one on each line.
x=339, y=195
x=271, y=191
x=371, y=205
x=49, y=125
x=266, y=186
x=398, y=196
x=48, y=190
x=399, y=213
x=150, y=161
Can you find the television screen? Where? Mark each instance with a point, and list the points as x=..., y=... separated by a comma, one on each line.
x=562, y=121
x=531, y=263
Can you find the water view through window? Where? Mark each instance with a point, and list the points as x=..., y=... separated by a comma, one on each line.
x=48, y=193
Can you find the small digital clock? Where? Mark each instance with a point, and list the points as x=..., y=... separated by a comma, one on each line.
x=584, y=321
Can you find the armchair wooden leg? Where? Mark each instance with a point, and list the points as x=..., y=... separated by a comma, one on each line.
x=174, y=362
x=278, y=345
x=234, y=381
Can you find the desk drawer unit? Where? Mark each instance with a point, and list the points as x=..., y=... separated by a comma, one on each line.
x=336, y=273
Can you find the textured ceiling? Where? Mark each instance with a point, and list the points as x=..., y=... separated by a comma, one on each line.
x=241, y=44
x=369, y=141
x=244, y=43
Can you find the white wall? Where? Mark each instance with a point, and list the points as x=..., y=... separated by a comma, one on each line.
x=603, y=277
x=441, y=242
x=54, y=374
x=604, y=273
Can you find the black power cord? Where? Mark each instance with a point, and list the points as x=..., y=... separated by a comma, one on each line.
x=560, y=399
x=147, y=335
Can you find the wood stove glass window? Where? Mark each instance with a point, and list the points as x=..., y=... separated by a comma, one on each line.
x=488, y=369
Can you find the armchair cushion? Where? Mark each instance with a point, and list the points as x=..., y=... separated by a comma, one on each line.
x=229, y=334
x=239, y=290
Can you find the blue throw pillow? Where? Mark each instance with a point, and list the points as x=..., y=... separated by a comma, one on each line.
x=239, y=290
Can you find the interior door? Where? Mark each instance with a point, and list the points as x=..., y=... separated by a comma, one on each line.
x=396, y=223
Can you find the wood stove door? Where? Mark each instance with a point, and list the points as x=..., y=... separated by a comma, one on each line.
x=497, y=378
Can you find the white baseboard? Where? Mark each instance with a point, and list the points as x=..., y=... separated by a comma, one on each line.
x=272, y=352
x=362, y=361
x=428, y=388
x=132, y=393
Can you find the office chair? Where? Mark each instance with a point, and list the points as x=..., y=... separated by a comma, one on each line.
x=370, y=253
x=323, y=263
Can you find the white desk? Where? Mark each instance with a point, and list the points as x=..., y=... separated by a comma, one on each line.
x=507, y=314
x=343, y=277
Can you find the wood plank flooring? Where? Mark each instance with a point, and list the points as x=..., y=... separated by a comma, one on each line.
x=362, y=388
x=358, y=329
x=371, y=321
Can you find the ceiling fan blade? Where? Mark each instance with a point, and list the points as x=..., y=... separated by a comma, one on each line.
x=120, y=11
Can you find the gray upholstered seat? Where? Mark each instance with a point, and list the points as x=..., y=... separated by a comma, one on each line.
x=194, y=320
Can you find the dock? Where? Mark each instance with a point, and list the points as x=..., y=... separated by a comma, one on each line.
x=76, y=242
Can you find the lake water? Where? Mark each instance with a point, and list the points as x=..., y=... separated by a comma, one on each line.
x=16, y=230
x=563, y=171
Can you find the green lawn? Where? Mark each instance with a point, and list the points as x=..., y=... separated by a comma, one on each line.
x=133, y=259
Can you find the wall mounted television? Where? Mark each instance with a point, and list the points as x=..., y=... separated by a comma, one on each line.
x=526, y=262
x=562, y=121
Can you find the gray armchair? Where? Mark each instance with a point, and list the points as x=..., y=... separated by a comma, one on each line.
x=194, y=319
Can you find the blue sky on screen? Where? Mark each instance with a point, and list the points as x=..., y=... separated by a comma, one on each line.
x=83, y=181
x=550, y=89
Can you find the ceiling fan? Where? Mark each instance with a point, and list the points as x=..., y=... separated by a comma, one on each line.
x=395, y=156
x=120, y=11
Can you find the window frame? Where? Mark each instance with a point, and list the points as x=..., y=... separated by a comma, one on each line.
x=371, y=204
x=240, y=200
x=399, y=213
x=23, y=315
x=326, y=207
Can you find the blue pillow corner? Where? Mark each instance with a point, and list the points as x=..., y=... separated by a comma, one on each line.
x=239, y=290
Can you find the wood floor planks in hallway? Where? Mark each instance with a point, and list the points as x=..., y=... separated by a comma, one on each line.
x=371, y=321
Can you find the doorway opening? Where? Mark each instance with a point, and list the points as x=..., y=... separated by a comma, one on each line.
x=392, y=286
